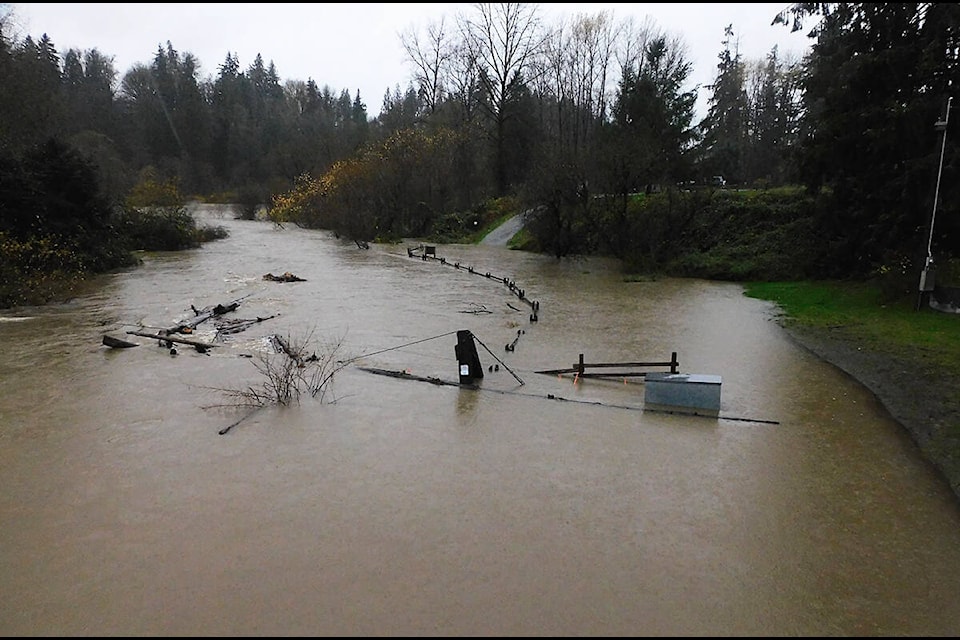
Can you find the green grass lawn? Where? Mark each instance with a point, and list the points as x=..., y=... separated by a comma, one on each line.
x=857, y=310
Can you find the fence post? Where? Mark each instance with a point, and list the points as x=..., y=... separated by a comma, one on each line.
x=674, y=365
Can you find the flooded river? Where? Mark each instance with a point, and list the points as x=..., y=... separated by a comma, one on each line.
x=533, y=505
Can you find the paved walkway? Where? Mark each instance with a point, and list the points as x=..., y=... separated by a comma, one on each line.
x=502, y=234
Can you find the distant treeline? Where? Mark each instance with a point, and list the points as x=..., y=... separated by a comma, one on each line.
x=587, y=122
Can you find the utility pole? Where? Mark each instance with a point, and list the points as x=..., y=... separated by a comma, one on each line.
x=927, y=276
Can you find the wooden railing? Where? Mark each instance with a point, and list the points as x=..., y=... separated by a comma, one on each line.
x=580, y=368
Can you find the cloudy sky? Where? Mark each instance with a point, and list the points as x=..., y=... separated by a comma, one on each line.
x=357, y=46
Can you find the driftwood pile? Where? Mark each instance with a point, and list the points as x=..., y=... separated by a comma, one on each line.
x=172, y=335
x=286, y=277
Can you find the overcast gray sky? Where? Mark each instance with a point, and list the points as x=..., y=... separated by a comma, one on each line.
x=357, y=46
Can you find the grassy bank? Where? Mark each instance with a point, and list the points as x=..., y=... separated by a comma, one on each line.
x=857, y=311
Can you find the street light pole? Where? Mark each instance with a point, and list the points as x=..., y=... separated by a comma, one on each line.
x=927, y=275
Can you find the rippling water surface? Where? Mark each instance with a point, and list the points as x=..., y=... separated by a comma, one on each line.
x=534, y=505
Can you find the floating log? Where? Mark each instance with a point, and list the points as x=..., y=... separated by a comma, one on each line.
x=117, y=343
x=282, y=345
x=410, y=376
x=200, y=346
x=478, y=308
x=190, y=325
x=201, y=317
x=286, y=277
x=221, y=309
x=204, y=315
x=236, y=326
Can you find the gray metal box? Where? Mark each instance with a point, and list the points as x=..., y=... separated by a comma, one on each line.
x=695, y=392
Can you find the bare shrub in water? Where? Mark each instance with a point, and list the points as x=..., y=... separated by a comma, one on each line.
x=322, y=369
x=293, y=370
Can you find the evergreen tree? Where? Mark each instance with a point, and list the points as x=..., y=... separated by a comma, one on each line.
x=725, y=129
x=775, y=109
x=652, y=119
x=401, y=110
x=88, y=91
x=33, y=93
x=231, y=119
x=878, y=77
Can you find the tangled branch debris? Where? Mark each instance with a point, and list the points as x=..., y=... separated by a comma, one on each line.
x=293, y=369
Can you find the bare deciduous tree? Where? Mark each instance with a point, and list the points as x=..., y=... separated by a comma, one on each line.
x=577, y=59
x=503, y=38
x=431, y=58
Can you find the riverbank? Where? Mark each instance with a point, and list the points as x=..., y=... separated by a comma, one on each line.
x=919, y=395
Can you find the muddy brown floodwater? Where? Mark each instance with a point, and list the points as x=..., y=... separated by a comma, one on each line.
x=396, y=507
